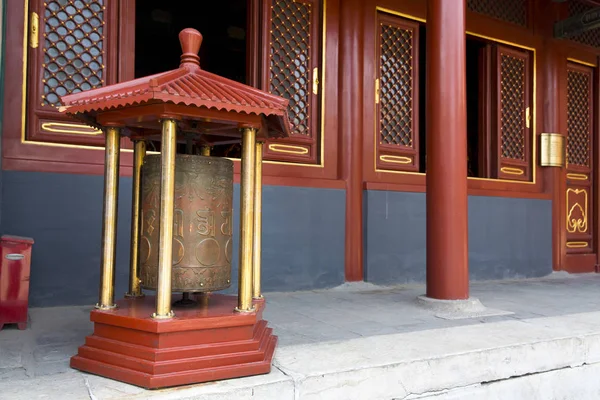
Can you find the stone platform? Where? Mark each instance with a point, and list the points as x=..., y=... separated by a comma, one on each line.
x=362, y=342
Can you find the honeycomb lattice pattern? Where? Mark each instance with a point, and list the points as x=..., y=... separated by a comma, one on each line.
x=512, y=101
x=579, y=86
x=73, y=47
x=591, y=37
x=290, y=59
x=513, y=11
x=396, y=86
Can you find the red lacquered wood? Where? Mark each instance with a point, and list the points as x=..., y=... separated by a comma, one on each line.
x=447, y=205
x=136, y=314
x=14, y=280
x=351, y=72
x=174, y=353
x=182, y=364
x=199, y=345
x=150, y=381
x=580, y=263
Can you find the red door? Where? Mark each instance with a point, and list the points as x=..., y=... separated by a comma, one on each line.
x=579, y=192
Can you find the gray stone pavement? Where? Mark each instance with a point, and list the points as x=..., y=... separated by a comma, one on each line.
x=34, y=363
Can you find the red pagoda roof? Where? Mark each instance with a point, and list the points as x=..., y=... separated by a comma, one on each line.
x=188, y=85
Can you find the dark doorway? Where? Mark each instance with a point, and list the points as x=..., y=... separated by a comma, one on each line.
x=475, y=82
x=223, y=25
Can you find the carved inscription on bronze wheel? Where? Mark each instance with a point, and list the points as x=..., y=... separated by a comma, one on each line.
x=202, y=223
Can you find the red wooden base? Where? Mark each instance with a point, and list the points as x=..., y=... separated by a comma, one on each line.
x=201, y=344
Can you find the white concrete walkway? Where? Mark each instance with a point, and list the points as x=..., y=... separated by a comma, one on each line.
x=362, y=342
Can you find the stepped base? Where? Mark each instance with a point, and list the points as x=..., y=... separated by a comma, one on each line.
x=201, y=344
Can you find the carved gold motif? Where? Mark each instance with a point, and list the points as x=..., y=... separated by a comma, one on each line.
x=396, y=159
x=69, y=128
x=512, y=171
x=577, y=177
x=202, y=223
x=576, y=212
x=286, y=148
x=577, y=245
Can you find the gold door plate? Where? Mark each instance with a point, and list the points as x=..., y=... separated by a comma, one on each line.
x=552, y=150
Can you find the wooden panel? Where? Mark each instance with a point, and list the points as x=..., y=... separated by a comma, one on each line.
x=69, y=53
x=591, y=37
x=397, y=97
x=513, y=11
x=579, y=196
x=511, y=132
x=291, y=69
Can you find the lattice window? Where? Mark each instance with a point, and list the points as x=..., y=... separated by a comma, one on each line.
x=292, y=71
x=74, y=47
x=579, y=117
x=513, y=11
x=73, y=59
x=512, y=105
x=397, y=94
x=290, y=59
x=591, y=37
x=511, y=152
x=396, y=85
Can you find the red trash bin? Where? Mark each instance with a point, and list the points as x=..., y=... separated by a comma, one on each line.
x=14, y=280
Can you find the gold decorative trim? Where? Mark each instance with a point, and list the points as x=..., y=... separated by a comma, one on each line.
x=512, y=171
x=387, y=10
x=577, y=177
x=533, y=105
x=574, y=60
x=577, y=245
x=577, y=224
x=396, y=159
x=25, y=62
x=73, y=129
x=34, y=31
x=289, y=149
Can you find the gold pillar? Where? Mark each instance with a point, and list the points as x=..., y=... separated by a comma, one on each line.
x=256, y=248
x=139, y=152
x=165, y=239
x=109, y=219
x=246, y=221
x=205, y=150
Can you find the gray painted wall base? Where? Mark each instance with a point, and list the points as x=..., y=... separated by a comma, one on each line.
x=508, y=238
x=303, y=235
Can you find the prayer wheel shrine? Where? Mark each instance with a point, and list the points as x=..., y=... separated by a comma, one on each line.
x=172, y=178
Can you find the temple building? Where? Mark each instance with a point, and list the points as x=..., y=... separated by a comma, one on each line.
x=490, y=105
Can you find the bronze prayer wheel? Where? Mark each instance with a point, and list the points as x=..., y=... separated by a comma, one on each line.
x=202, y=223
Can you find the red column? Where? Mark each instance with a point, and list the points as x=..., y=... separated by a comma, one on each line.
x=554, y=119
x=447, y=202
x=350, y=109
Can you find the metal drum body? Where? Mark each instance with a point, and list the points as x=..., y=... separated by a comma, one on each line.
x=202, y=223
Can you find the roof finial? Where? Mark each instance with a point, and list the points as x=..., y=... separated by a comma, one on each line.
x=190, y=40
